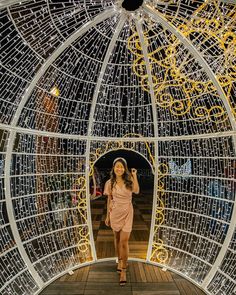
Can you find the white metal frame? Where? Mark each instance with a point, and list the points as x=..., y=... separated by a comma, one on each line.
x=13, y=129
x=6, y=3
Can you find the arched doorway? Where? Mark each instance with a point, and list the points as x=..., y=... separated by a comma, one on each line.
x=143, y=202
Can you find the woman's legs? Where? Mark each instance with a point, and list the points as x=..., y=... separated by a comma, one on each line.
x=124, y=253
x=117, y=243
x=117, y=248
x=124, y=247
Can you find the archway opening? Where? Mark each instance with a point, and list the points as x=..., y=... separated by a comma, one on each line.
x=103, y=235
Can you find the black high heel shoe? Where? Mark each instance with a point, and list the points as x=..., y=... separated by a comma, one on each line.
x=124, y=281
x=118, y=266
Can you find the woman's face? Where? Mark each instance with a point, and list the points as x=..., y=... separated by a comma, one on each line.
x=119, y=169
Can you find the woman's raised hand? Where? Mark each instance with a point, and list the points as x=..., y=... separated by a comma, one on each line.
x=133, y=172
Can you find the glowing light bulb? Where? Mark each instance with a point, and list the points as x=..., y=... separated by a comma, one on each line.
x=55, y=91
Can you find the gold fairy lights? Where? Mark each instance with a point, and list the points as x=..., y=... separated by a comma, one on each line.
x=159, y=252
x=211, y=28
x=84, y=241
x=218, y=28
x=174, y=78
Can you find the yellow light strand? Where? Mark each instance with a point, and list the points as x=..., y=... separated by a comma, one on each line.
x=178, y=107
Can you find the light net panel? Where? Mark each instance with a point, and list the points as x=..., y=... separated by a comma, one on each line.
x=75, y=74
x=46, y=24
x=210, y=26
x=18, y=66
x=14, y=50
x=186, y=99
x=177, y=12
x=11, y=91
x=224, y=281
x=15, y=277
x=198, y=194
x=49, y=197
x=122, y=106
x=23, y=283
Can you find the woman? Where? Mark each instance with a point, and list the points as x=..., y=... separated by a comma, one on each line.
x=119, y=189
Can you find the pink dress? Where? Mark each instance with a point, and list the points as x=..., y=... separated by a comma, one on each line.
x=121, y=207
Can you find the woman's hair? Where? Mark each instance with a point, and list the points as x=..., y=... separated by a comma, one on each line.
x=126, y=176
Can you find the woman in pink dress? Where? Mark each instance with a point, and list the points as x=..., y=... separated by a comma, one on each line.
x=119, y=189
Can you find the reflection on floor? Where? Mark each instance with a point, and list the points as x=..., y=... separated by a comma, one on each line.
x=102, y=279
x=103, y=236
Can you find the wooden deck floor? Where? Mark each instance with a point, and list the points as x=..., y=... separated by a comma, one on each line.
x=102, y=279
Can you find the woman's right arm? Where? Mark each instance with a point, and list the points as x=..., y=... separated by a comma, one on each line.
x=107, y=192
x=107, y=221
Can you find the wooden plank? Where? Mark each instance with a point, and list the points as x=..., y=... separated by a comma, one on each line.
x=137, y=273
x=169, y=276
x=85, y=273
x=132, y=272
x=185, y=287
x=103, y=277
x=160, y=287
x=147, y=269
x=151, y=272
x=199, y=291
x=109, y=286
x=156, y=292
x=108, y=291
x=142, y=272
x=78, y=275
x=62, y=279
x=158, y=273
x=64, y=288
x=103, y=245
x=163, y=275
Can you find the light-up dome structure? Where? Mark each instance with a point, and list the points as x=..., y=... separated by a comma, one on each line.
x=80, y=79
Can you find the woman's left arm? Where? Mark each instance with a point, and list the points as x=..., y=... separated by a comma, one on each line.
x=135, y=181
